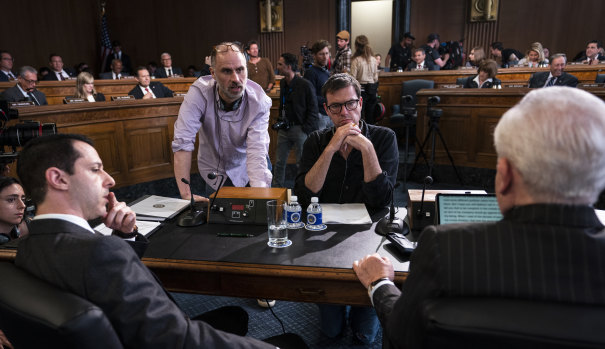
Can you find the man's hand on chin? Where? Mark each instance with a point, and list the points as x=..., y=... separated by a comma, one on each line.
x=119, y=216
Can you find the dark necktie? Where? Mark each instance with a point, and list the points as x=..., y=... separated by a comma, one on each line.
x=551, y=82
x=10, y=75
x=32, y=98
x=169, y=72
x=61, y=78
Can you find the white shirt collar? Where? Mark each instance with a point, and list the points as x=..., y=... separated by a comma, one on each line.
x=22, y=91
x=150, y=90
x=79, y=221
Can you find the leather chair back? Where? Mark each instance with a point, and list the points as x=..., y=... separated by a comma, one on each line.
x=511, y=323
x=410, y=87
x=461, y=81
x=36, y=314
x=600, y=79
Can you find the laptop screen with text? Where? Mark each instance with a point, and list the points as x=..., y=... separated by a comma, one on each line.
x=463, y=208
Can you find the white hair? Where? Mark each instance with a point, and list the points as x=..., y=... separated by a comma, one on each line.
x=555, y=138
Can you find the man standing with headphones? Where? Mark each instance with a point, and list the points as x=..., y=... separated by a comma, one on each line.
x=232, y=116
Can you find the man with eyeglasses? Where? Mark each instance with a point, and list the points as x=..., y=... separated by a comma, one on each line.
x=6, y=66
x=167, y=70
x=348, y=163
x=231, y=116
x=25, y=89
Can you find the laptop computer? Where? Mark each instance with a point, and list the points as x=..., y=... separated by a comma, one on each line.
x=464, y=208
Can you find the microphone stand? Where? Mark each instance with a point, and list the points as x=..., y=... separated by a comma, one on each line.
x=194, y=217
x=389, y=224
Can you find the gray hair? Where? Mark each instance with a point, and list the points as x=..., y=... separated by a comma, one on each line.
x=27, y=69
x=554, y=138
x=557, y=55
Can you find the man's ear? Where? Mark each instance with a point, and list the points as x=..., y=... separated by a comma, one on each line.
x=326, y=109
x=212, y=73
x=504, y=176
x=57, y=178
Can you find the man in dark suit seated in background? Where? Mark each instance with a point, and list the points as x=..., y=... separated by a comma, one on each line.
x=419, y=61
x=117, y=53
x=6, y=66
x=116, y=72
x=57, y=70
x=556, y=76
x=146, y=88
x=25, y=89
x=64, y=176
x=549, y=246
x=592, y=55
x=167, y=70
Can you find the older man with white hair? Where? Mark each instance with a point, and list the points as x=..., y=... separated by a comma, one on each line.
x=549, y=246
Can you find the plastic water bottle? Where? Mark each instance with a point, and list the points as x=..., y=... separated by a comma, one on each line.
x=294, y=213
x=314, y=213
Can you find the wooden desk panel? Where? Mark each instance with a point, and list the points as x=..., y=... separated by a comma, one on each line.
x=468, y=122
x=389, y=87
x=120, y=130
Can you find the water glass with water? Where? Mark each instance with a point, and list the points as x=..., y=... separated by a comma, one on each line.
x=277, y=225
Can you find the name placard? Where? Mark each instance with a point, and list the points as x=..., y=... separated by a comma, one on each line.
x=21, y=104
x=70, y=100
x=121, y=98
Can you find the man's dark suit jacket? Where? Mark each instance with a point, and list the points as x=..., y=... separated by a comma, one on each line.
x=109, y=75
x=13, y=94
x=161, y=72
x=107, y=271
x=538, y=80
x=428, y=64
x=159, y=90
x=4, y=77
x=126, y=63
x=52, y=76
x=536, y=252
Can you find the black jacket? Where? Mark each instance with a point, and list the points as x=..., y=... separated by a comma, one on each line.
x=158, y=89
x=470, y=83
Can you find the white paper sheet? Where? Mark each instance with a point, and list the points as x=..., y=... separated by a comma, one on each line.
x=144, y=228
x=345, y=214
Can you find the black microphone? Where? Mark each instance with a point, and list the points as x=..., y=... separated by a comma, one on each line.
x=427, y=180
x=214, y=175
x=389, y=224
x=193, y=217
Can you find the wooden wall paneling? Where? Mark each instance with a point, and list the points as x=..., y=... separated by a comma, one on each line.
x=443, y=17
x=108, y=139
x=480, y=34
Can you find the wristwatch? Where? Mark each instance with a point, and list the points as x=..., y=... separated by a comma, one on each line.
x=376, y=282
x=123, y=235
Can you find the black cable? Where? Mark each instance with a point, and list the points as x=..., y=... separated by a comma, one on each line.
x=275, y=315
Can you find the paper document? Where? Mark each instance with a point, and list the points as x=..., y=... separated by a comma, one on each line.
x=159, y=206
x=144, y=228
x=345, y=214
x=601, y=215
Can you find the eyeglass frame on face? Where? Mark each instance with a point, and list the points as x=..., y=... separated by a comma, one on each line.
x=348, y=105
x=28, y=81
x=234, y=48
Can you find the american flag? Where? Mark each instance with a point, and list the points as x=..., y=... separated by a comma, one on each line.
x=106, y=47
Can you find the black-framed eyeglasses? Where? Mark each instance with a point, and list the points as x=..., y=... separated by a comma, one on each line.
x=29, y=81
x=225, y=47
x=335, y=108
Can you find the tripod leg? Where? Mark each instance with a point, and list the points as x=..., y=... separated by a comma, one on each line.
x=421, y=152
x=449, y=155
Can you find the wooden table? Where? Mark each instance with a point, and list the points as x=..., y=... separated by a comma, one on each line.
x=316, y=268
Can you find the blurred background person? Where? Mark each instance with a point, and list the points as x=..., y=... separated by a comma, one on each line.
x=476, y=55
x=85, y=88
x=486, y=75
x=364, y=69
x=534, y=57
x=12, y=210
x=117, y=71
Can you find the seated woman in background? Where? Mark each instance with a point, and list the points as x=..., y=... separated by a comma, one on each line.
x=12, y=210
x=534, y=57
x=85, y=88
x=475, y=57
x=486, y=75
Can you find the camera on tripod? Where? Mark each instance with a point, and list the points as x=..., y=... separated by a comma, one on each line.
x=432, y=112
x=281, y=124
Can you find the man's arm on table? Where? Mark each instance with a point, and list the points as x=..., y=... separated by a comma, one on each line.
x=396, y=308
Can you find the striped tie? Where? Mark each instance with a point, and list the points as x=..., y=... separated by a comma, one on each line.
x=551, y=81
